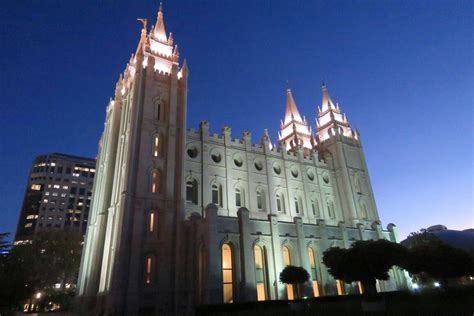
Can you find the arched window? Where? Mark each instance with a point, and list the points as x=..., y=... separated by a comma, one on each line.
x=260, y=199
x=192, y=191
x=159, y=110
x=261, y=273
x=152, y=222
x=331, y=212
x=315, y=208
x=155, y=179
x=227, y=284
x=358, y=185
x=363, y=210
x=149, y=269
x=156, y=146
x=216, y=194
x=280, y=198
x=314, y=274
x=287, y=262
x=298, y=205
x=239, y=197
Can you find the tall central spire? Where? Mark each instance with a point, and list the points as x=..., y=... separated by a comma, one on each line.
x=294, y=129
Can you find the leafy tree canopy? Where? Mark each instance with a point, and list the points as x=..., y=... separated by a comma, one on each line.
x=294, y=275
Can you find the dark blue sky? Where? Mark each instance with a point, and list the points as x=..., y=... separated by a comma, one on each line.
x=401, y=70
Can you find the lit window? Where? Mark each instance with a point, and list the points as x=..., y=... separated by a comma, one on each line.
x=149, y=269
x=287, y=262
x=56, y=186
x=28, y=225
x=192, y=191
x=151, y=223
x=156, y=145
x=260, y=273
x=312, y=264
x=341, y=288
x=46, y=193
x=154, y=181
x=360, y=287
x=36, y=187
x=227, y=273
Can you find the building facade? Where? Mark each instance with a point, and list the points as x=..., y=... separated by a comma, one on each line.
x=57, y=197
x=182, y=217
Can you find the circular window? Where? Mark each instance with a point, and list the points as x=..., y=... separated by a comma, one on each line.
x=192, y=151
x=326, y=178
x=294, y=172
x=277, y=168
x=258, y=165
x=310, y=174
x=216, y=157
x=238, y=161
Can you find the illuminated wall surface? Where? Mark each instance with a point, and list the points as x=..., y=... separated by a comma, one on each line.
x=183, y=217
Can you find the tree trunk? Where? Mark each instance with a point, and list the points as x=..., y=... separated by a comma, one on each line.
x=370, y=289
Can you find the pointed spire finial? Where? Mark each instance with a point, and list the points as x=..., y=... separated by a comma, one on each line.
x=323, y=86
x=161, y=7
x=288, y=89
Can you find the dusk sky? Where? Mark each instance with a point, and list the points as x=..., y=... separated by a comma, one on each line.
x=402, y=71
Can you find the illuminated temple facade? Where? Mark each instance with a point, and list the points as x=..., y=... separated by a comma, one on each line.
x=181, y=217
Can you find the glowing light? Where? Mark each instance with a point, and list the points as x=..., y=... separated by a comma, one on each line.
x=180, y=74
x=161, y=49
x=123, y=91
x=38, y=295
x=436, y=284
x=415, y=286
x=145, y=62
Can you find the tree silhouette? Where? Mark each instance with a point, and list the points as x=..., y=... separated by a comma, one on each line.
x=295, y=276
x=365, y=261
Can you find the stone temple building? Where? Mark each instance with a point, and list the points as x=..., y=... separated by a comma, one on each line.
x=181, y=217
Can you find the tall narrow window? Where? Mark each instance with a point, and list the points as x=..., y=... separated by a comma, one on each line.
x=260, y=273
x=154, y=181
x=216, y=194
x=360, y=287
x=280, y=202
x=192, y=191
x=151, y=222
x=239, y=198
x=149, y=262
x=227, y=273
x=260, y=200
x=341, y=288
x=297, y=206
x=156, y=145
x=363, y=210
x=314, y=275
x=287, y=262
x=331, y=212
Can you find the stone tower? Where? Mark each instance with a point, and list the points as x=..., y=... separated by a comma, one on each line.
x=138, y=193
x=336, y=138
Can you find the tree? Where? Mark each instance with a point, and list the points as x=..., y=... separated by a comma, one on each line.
x=295, y=276
x=430, y=259
x=51, y=258
x=365, y=261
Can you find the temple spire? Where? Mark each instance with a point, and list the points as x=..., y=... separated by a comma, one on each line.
x=291, y=111
x=294, y=130
x=331, y=120
x=159, y=32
